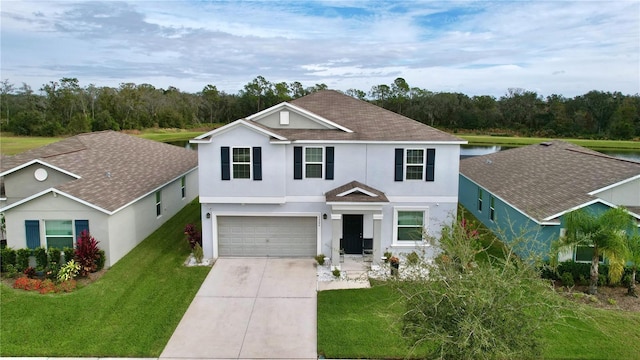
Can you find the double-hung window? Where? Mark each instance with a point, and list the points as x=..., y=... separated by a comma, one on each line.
x=158, y=203
x=492, y=209
x=59, y=233
x=410, y=225
x=241, y=160
x=313, y=162
x=183, y=187
x=585, y=254
x=415, y=164
x=479, y=199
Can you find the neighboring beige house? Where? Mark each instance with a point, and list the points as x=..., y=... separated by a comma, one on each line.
x=119, y=187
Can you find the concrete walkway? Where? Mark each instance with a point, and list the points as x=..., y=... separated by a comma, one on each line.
x=250, y=308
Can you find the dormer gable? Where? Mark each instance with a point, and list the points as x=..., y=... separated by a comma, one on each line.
x=289, y=116
x=256, y=127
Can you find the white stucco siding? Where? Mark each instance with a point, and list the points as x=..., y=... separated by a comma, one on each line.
x=130, y=225
x=380, y=171
x=439, y=214
x=627, y=194
x=48, y=207
x=273, y=168
x=350, y=163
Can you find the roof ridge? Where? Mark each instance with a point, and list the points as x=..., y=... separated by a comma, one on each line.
x=601, y=155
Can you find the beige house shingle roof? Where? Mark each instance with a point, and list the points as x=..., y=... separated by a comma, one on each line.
x=114, y=168
x=547, y=179
x=355, y=191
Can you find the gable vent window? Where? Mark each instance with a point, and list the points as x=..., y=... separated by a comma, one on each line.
x=284, y=118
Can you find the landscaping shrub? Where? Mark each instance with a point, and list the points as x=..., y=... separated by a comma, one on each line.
x=55, y=256
x=86, y=253
x=102, y=259
x=69, y=254
x=194, y=236
x=413, y=258
x=11, y=271
x=68, y=271
x=30, y=272
x=602, y=280
x=567, y=279
x=22, y=259
x=42, y=258
x=320, y=259
x=7, y=257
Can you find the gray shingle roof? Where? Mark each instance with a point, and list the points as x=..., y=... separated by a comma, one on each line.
x=114, y=168
x=546, y=179
x=368, y=122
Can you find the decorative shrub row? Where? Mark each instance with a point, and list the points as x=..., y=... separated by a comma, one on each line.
x=580, y=273
x=44, y=286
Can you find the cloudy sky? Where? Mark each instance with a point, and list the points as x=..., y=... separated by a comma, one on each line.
x=477, y=48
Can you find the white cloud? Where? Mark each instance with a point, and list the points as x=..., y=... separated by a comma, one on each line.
x=474, y=48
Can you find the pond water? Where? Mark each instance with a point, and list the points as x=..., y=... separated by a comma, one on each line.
x=475, y=150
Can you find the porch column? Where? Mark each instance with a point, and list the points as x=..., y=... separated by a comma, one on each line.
x=336, y=234
x=377, y=238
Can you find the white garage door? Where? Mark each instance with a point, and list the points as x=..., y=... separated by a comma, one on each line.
x=267, y=236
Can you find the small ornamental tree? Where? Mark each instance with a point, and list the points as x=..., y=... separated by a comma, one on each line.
x=477, y=309
x=194, y=236
x=87, y=253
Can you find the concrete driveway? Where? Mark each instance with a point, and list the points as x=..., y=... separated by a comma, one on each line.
x=251, y=308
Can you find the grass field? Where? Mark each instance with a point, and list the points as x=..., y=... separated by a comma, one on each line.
x=521, y=141
x=131, y=311
x=364, y=323
x=11, y=145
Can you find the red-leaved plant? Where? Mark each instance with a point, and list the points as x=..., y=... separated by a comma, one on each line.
x=194, y=236
x=87, y=253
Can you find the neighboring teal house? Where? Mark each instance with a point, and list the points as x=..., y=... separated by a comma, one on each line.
x=528, y=190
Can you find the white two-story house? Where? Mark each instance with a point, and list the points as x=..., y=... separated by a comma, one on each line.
x=325, y=173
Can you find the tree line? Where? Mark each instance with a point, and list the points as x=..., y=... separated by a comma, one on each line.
x=64, y=107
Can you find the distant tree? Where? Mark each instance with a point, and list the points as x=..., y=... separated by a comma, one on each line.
x=623, y=120
x=358, y=94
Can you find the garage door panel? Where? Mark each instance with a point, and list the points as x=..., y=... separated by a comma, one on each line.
x=267, y=236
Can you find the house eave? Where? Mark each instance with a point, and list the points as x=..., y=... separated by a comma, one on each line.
x=43, y=163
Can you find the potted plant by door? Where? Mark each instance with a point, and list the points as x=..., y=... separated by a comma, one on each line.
x=395, y=265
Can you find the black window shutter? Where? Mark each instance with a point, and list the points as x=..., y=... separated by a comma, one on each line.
x=224, y=160
x=329, y=154
x=431, y=163
x=32, y=230
x=257, y=163
x=399, y=164
x=297, y=162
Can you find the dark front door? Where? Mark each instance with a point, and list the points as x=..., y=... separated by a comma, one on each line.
x=352, y=233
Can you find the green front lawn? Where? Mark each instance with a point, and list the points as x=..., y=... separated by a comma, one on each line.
x=130, y=312
x=522, y=141
x=364, y=323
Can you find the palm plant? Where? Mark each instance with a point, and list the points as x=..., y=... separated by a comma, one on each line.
x=633, y=245
x=603, y=232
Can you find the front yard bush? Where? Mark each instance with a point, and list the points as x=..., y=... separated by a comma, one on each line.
x=87, y=253
x=7, y=257
x=22, y=259
x=42, y=258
